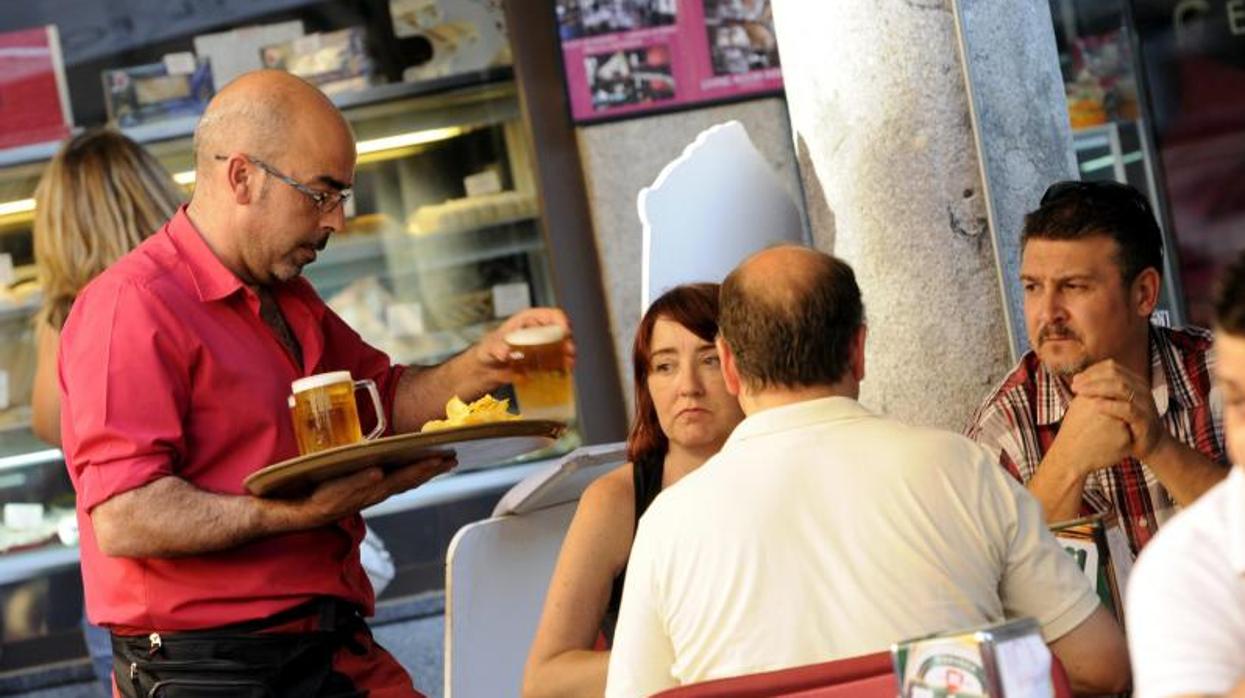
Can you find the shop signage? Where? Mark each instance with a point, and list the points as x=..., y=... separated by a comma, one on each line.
x=1189, y=13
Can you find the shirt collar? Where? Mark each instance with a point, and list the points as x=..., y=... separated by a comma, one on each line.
x=1178, y=384
x=798, y=415
x=1053, y=393
x=212, y=279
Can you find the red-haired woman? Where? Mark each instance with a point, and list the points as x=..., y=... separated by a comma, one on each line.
x=683, y=416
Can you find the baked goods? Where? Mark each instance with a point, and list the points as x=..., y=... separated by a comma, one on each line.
x=470, y=213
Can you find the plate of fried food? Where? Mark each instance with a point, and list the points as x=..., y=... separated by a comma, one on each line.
x=478, y=434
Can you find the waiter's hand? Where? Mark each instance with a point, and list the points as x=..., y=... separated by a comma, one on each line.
x=423, y=390
x=350, y=494
x=492, y=352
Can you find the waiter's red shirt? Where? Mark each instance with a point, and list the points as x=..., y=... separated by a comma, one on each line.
x=167, y=369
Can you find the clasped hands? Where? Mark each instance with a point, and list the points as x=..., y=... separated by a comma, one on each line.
x=1111, y=417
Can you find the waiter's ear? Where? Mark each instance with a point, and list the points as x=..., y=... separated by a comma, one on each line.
x=730, y=372
x=242, y=178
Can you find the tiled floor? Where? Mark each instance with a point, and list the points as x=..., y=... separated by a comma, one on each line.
x=416, y=643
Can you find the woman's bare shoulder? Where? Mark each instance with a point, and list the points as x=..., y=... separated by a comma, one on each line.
x=612, y=493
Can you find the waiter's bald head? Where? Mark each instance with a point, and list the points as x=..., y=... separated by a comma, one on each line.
x=272, y=155
x=264, y=114
x=790, y=316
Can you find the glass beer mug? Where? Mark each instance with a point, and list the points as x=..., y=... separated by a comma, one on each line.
x=325, y=414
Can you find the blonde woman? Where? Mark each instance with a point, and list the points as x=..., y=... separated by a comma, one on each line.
x=99, y=197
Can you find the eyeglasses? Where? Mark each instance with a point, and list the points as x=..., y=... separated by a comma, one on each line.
x=1114, y=192
x=325, y=201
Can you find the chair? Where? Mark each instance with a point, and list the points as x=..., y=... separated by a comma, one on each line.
x=708, y=209
x=498, y=570
x=866, y=676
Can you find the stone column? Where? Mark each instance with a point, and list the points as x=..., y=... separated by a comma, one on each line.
x=1020, y=118
x=881, y=121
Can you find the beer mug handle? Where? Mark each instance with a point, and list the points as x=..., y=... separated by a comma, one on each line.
x=380, y=410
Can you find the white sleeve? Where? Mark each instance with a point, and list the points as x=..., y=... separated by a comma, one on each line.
x=1186, y=627
x=642, y=655
x=1040, y=579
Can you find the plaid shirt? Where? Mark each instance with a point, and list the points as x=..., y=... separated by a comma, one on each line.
x=1021, y=418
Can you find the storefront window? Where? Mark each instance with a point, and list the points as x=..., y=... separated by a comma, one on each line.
x=1193, y=56
x=1156, y=98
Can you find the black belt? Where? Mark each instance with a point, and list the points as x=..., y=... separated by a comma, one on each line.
x=239, y=659
x=333, y=612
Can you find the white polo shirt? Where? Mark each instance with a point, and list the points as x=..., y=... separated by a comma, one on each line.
x=1186, y=599
x=823, y=531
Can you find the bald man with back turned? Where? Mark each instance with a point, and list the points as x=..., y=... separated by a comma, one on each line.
x=175, y=366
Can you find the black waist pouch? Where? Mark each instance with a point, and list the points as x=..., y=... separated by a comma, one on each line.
x=240, y=660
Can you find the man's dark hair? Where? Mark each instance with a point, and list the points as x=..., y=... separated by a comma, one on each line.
x=1078, y=210
x=795, y=331
x=1230, y=303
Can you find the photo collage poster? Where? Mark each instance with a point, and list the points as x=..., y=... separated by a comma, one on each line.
x=625, y=57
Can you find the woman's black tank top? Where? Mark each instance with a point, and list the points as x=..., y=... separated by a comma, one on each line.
x=646, y=476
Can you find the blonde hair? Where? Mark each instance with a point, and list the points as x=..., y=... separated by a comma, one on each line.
x=100, y=196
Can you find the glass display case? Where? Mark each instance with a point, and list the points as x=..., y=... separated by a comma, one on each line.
x=445, y=237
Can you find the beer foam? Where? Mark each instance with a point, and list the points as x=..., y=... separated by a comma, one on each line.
x=535, y=336
x=320, y=380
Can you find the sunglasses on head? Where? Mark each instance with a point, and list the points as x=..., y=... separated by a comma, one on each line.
x=1106, y=192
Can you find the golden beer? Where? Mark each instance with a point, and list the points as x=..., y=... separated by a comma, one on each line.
x=325, y=413
x=542, y=374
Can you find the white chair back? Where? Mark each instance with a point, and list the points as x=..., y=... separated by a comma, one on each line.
x=710, y=208
x=498, y=570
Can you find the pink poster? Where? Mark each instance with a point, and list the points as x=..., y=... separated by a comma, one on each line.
x=625, y=57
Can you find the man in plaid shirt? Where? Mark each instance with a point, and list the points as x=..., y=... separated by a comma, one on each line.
x=1106, y=412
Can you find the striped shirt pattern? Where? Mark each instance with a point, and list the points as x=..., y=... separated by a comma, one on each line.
x=1020, y=420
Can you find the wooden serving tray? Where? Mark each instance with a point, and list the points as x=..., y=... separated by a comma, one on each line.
x=474, y=446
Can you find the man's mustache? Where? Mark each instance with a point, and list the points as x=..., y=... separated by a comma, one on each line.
x=1048, y=332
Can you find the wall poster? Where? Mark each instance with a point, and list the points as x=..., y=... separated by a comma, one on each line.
x=627, y=57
